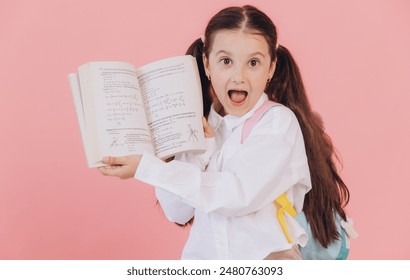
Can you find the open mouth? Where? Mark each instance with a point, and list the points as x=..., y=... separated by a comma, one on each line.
x=237, y=96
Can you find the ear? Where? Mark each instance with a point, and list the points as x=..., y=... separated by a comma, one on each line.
x=272, y=69
x=206, y=65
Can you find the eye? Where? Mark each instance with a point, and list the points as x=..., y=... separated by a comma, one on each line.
x=225, y=61
x=254, y=62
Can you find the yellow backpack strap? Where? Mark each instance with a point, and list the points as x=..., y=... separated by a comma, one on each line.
x=284, y=205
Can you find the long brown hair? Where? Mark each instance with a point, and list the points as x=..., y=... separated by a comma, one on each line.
x=329, y=193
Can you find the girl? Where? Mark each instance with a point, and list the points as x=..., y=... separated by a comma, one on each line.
x=229, y=190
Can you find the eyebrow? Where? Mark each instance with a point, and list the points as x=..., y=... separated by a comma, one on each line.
x=229, y=53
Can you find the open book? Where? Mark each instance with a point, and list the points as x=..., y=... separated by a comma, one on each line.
x=125, y=110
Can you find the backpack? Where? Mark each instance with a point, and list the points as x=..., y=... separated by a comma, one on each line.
x=313, y=250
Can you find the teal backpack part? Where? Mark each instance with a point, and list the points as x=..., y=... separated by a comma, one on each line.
x=338, y=250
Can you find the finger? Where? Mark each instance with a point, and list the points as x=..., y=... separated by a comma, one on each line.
x=109, y=167
x=207, y=128
x=205, y=123
x=109, y=171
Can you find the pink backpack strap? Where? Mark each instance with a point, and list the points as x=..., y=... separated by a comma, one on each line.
x=257, y=115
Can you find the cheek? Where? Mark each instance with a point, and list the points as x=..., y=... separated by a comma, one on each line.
x=218, y=82
x=259, y=83
x=219, y=92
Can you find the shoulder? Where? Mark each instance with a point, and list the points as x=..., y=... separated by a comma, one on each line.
x=278, y=121
x=279, y=117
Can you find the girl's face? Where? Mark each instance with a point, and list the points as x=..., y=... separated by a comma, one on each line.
x=239, y=65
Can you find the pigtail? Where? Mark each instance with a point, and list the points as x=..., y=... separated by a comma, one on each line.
x=328, y=189
x=196, y=50
x=286, y=85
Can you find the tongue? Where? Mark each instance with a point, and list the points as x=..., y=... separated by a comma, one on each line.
x=238, y=96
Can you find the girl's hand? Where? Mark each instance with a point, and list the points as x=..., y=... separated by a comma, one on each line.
x=208, y=131
x=121, y=167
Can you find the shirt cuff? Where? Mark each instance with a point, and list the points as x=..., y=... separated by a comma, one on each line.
x=175, y=177
x=210, y=144
x=150, y=167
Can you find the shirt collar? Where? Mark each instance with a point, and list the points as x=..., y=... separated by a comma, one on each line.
x=230, y=121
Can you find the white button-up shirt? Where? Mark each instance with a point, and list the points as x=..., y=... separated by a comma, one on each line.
x=232, y=197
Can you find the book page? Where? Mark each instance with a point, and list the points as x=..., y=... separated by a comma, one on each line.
x=172, y=96
x=114, y=113
x=79, y=108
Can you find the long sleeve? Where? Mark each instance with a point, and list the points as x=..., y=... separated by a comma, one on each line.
x=175, y=210
x=270, y=162
x=200, y=159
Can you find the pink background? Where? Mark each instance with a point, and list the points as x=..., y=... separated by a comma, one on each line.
x=355, y=60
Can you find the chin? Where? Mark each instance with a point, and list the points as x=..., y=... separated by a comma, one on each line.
x=238, y=112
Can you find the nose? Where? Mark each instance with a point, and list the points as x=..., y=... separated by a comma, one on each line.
x=238, y=74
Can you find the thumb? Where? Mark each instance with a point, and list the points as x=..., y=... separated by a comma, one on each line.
x=113, y=160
